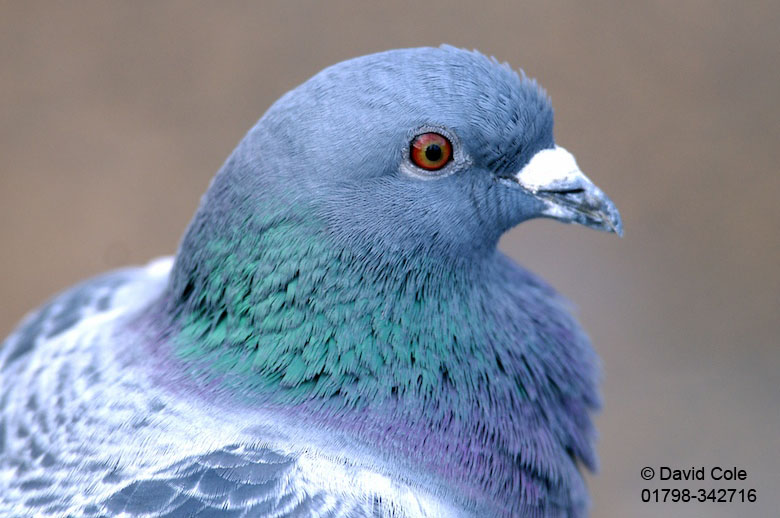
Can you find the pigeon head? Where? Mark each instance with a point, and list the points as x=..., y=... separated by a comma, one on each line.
x=434, y=149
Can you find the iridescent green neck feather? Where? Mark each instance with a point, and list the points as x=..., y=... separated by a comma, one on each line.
x=276, y=302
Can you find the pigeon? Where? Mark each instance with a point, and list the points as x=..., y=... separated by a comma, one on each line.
x=338, y=334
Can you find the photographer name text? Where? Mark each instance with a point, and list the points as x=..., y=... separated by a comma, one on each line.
x=730, y=473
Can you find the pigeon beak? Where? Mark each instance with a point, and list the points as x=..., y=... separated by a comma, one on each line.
x=552, y=175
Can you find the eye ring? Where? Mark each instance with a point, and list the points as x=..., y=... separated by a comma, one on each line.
x=430, y=151
x=457, y=161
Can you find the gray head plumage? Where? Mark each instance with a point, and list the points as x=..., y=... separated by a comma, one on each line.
x=337, y=149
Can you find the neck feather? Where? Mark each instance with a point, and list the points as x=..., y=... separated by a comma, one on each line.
x=279, y=302
x=476, y=355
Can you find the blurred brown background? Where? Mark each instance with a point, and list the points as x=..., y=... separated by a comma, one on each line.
x=114, y=116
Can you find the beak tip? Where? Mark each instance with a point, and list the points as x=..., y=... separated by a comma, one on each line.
x=616, y=223
x=611, y=218
x=619, y=231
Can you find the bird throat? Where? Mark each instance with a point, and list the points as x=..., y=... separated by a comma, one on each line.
x=280, y=307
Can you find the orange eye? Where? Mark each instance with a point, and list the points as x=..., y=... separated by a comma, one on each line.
x=430, y=151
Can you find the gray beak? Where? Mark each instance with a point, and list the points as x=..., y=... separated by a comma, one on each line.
x=553, y=176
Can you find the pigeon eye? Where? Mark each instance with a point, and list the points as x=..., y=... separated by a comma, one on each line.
x=430, y=151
